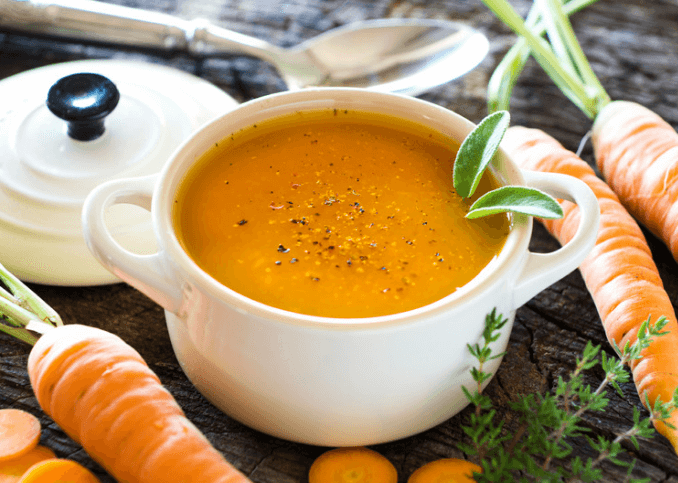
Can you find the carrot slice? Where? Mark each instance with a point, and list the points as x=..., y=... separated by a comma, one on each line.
x=446, y=470
x=352, y=465
x=19, y=433
x=11, y=470
x=58, y=470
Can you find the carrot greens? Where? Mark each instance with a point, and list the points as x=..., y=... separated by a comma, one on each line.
x=22, y=312
x=561, y=56
x=504, y=77
x=474, y=156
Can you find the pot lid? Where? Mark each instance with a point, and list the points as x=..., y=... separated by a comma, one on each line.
x=65, y=129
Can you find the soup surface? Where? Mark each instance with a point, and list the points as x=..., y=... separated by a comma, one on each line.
x=335, y=213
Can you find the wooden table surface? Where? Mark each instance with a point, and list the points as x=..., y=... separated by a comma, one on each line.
x=633, y=46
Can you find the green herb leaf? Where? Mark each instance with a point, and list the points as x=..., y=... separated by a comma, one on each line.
x=476, y=152
x=519, y=199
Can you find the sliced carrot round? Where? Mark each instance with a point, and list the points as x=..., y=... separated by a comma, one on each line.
x=19, y=433
x=58, y=470
x=352, y=465
x=446, y=470
x=12, y=470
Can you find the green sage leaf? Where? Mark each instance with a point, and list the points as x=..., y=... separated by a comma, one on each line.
x=518, y=199
x=476, y=152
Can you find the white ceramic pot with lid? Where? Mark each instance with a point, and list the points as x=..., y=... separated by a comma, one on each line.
x=104, y=120
x=323, y=380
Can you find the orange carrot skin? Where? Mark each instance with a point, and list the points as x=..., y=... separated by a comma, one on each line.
x=637, y=153
x=100, y=391
x=619, y=272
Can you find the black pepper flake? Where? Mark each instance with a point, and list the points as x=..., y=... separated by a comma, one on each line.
x=349, y=262
x=385, y=290
x=282, y=249
x=294, y=260
x=316, y=279
x=242, y=222
x=278, y=262
x=331, y=247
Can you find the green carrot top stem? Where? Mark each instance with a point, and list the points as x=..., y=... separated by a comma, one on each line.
x=22, y=312
x=561, y=56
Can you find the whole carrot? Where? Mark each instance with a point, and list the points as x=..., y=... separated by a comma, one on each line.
x=100, y=391
x=635, y=149
x=619, y=272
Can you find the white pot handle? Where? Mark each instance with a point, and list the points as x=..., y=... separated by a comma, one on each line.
x=544, y=269
x=144, y=272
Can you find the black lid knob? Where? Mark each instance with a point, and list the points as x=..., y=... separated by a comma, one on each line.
x=83, y=100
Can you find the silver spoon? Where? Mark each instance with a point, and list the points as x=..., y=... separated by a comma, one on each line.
x=408, y=56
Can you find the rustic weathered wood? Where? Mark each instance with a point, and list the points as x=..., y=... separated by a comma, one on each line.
x=633, y=46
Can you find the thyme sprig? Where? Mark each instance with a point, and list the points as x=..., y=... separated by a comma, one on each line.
x=541, y=446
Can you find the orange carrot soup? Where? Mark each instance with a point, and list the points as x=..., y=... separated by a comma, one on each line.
x=335, y=213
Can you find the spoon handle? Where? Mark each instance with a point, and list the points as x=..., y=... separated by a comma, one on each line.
x=108, y=23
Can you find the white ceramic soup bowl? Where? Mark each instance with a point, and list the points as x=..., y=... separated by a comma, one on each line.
x=327, y=381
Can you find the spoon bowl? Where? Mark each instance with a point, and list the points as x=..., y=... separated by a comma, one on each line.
x=407, y=56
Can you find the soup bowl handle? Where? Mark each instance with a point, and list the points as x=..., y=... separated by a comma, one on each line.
x=146, y=273
x=543, y=269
